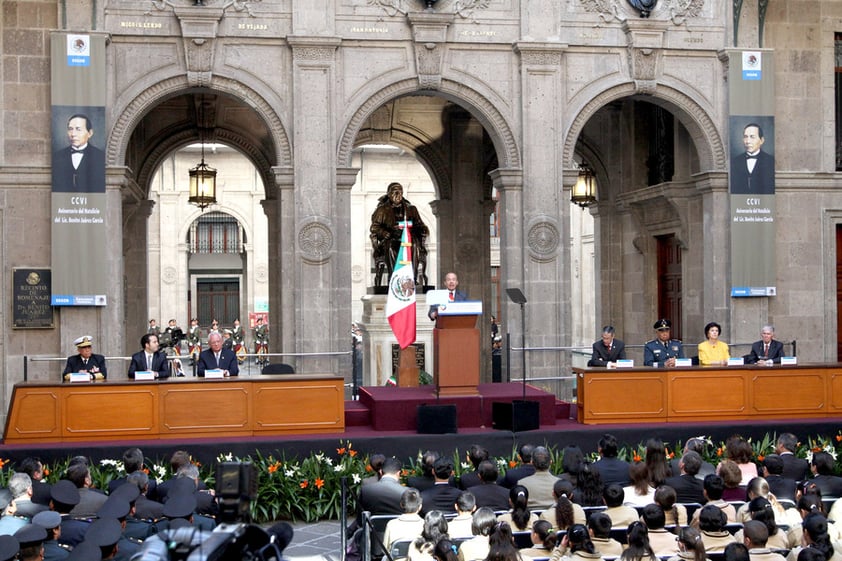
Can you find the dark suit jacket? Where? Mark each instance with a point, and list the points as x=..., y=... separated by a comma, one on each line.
x=89, y=177
x=458, y=296
x=227, y=361
x=687, y=488
x=613, y=470
x=41, y=492
x=160, y=364
x=28, y=508
x=495, y=497
x=829, y=485
x=706, y=469
x=151, y=487
x=384, y=497
x=74, y=364
x=776, y=351
x=601, y=355
x=516, y=474
x=420, y=482
x=782, y=487
x=468, y=480
x=761, y=181
x=794, y=467
x=441, y=497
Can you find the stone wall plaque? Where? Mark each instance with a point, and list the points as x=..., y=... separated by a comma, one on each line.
x=419, y=357
x=31, y=298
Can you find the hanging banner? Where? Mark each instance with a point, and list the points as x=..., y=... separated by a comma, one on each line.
x=78, y=169
x=752, y=173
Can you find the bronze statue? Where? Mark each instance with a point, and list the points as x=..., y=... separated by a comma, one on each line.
x=386, y=230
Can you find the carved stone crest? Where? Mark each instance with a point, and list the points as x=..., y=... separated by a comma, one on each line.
x=543, y=239
x=316, y=242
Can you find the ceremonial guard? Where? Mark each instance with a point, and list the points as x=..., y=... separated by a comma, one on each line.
x=238, y=334
x=171, y=337
x=194, y=340
x=663, y=350
x=153, y=327
x=261, y=341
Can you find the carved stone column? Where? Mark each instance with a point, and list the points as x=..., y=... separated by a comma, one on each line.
x=280, y=215
x=134, y=219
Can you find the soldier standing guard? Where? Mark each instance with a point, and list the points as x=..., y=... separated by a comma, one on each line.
x=238, y=334
x=194, y=340
x=153, y=328
x=663, y=350
x=261, y=341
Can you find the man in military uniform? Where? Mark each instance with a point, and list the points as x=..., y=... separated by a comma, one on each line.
x=238, y=334
x=172, y=336
x=86, y=360
x=153, y=327
x=261, y=341
x=194, y=340
x=662, y=351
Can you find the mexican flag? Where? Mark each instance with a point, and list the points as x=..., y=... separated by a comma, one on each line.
x=400, y=303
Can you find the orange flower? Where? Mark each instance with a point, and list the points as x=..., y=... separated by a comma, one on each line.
x=671, y=455
x=340, y=451
x=352, y=453
x=304, y=484
x=636, y=457
x=760, y=457
x=817, y=448
x=719, y=452
x=839, y=438
x=146, y=471
x=320, y=483
x=46, y=470
x=512, y=463
x=369, y=469
x=404, y=472
x=274, y=467
x=3, y=462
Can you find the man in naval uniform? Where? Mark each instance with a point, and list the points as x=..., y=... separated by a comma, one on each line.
x=86, y=360
x=663, y=350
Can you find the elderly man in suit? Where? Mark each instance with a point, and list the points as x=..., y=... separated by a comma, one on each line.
x=218, y=358
x=150, y=358
x=753, y=171
x=794, y=467
x=768, y=350
x=608, y=349
x=451, y=281
x=86, y=360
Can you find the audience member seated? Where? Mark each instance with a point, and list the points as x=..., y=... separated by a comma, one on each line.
x=133, y=462
x=375, y=465
x=563, y=513
x=699, y=446
x=809, y=554
x=773, y=472
x=576, y=545
x=815, y=536
x=520, y=518
x=51, y=522
x=688, y=489
x=442, y=495
x=732, y=477
x=736, y=552
x=620, y=514
x=599, y=526
x=178, y=460
x=35, y=470
x=501, y=545
x=31, y=541
x=476, y=454
x=611, y=469
x=712, y=524
x=588, y=490
x=445, y=550
x=525, y=469
x=9, y=523
x=489, y=493
x=409, y=524
x=435, y=529
x=809, y=503
x=571, y=463
x=187, y=481
x=89, y=499
x=425, y=480
x=476, y=548
x=755, y=536
x=822, y=468
x=384, y=497
x=63, y=497
x=540, y=484
x=761, y=509
x=638, y=547
x=656, y=462
x=713, y=488
x=145, y=508
x=690, y=546
x=20, y=486
x=794, y=467
x=543, y=540
x=675, y=513
x=640, y=493
x=758, y=487
x=739, y=451
x=661, y=540
x=460, y=527
x=117, y=508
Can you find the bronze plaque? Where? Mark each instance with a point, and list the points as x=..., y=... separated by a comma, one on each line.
x=31, y=298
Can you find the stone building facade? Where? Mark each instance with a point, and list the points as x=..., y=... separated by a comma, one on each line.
x=489, y=94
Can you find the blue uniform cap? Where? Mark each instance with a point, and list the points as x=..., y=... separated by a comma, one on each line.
x=104, y=532
x=662, y=324
x=180, y=506
x=65, y=492
x=9, y=548
x=127, y=491
x=48, y=519
x=114, y=507
x=86, y=551
x=31, y=534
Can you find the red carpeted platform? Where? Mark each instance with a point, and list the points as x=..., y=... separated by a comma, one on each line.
x=392, y=408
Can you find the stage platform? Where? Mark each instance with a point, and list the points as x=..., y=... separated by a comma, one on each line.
x=406, y=444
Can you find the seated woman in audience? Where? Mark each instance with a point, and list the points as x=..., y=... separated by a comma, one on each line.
x=520, y=518
x=808, y=554
x=676, y=514
x=445, y=550
x=815, y=536
x=656, y=462
x=712, y=525
x=563, y=513
x=759, y=487
x=599, y=525
x=501, y=544
x=732, y=477
x=739, y=451
x=810, y=502
x=761, y=509
x=408, y=525
x=571, y=462
x=640, y=492
x=690, y=546
x=638, y=548
x=543, y=540
x=713, y=352
x=476, y=548
x=588, y=491
x=576, y=545
x=435, y=528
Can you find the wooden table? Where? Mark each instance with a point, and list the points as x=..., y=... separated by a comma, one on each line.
x=176, y=408
x=671, y=395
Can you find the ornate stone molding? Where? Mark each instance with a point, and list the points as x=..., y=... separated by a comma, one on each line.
x=199, y=26
x=682, y=10
x=540, y=54
x=607, y=10
x=238, y=5
x=429, y=31
x=169, y=275
x=314, y=50
x=543, y=239
x=315, y=240
x=466, y=9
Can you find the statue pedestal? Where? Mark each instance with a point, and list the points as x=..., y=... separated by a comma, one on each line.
x=379, y=341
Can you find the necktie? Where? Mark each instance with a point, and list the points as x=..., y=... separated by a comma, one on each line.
x=148, y=361
x=217, y=360
x=765, y=349
x=450, y=296
x=85, y=361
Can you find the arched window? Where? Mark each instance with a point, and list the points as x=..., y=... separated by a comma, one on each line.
x=216, y=232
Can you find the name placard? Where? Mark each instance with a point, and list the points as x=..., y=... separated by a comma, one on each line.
x=76, y=377
x=684, y=362
x=144, y=375
x=625, y=363
x=788, y=361
x=216, y=373
x=736, y=361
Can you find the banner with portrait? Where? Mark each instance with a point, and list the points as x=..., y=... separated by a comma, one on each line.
x=752, y=173
x=78, y=96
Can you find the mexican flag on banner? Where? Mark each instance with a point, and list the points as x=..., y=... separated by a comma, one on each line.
x=400, y=303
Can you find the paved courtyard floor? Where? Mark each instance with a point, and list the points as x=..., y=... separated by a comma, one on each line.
x=318, y=541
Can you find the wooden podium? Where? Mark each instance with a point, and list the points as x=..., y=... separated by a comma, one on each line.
x=456, y=351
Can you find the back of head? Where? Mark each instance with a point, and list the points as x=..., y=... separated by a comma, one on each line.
x=19, y=484
x=442, y=469
x=477, y=454
x=179, y=458
x=757, y=487
x=541, y=458
x=562, y=488
x=738, y=449
x=571, y=461
x=392, y=466
x=525, y=453
x=774, y=464
x=756, y=533
x=30, y=465
x=376, y=462
x=428, y=460
x=714, y=487
x=613, y=495
x=788, y=442
x=466, y=502
x=654, y=517
x=697, y=445
x=77, y=474
x=692, y=462
x=445, y=550
x=411, y=500
x=435, y=526
x=823, y=463
x=665, y=496
x=730, y=473
x=712, y=519
x=608, y=446
x=138, y=479
x=488, y=471
x=812, y=554
x=600, y=524
x=483, y=521
x=760, y=509
x=579, y=539
x=544, y=530
x=815, y=525
x=519, y=496
x=132, y=459
x=736, y=552
x=637, y=537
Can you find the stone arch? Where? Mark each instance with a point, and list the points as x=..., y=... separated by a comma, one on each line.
x=500, y=131
x=130, y=115
x=701, y=127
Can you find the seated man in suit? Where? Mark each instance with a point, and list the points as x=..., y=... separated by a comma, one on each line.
x=794, y=467
x=218, y=358
x=687, y=488
x=608, y=350
x=86, y=360
x=150, y=358
x=768, y=350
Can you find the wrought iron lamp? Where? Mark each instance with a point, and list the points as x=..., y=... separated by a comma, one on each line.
x=202, y=177
x=584, y=191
